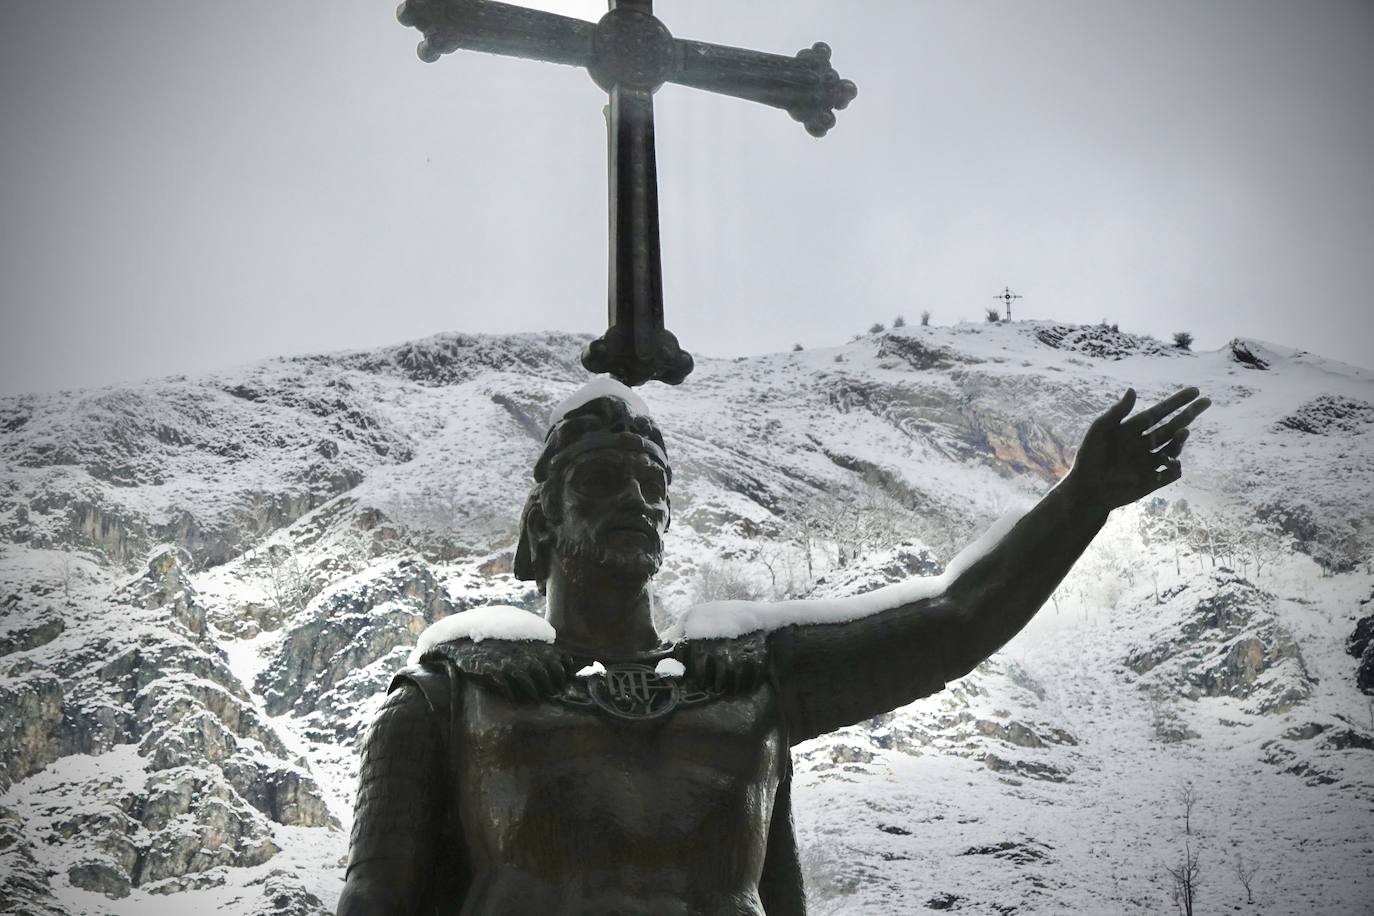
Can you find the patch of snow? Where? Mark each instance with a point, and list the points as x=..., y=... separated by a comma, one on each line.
x=599, y=388
x=496, y=621
x=590, y=670
x=670, y=667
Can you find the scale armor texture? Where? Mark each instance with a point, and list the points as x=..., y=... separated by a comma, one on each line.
x=400, y=804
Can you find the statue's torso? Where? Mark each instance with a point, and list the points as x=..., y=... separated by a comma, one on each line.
x=568, y=809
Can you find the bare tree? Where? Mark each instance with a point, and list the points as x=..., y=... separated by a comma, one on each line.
x=781, y=562
x=66, y=574
x=1184, y=876
x=1262, y=546
x=723, y=580
x=288, y=585
x=772, y=558
x=1204, y=536
x=800, y=528
x=827, y=886
x=355, y=547
x=1185, y=879
x=881, y=514
x=1188, y=796
x=992, y=315
x=1246, y=874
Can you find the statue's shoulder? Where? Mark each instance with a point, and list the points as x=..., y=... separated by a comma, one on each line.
x=499, y=622
x=431, y=680
x=506, y=648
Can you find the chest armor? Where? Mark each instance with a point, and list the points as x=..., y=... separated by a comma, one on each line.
x=632, y=718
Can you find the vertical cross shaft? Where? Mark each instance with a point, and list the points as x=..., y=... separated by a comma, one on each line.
x=635, y=51
x=635, y=291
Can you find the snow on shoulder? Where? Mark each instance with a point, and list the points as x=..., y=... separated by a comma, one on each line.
x=495, y=621
x=729, y=619
x=670, y=667
x=599, y=388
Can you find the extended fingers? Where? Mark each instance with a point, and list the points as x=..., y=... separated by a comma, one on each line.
x=1152, y=415
x=1122, y=408
x=1177, y=424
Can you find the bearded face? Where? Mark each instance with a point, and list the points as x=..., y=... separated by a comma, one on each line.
x=614, y=511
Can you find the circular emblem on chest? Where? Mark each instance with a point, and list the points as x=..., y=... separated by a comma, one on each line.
x=633, y=691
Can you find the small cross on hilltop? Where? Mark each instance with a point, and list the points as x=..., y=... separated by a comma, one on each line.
x=1006, y=295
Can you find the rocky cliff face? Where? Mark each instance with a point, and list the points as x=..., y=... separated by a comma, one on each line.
x=206, y=583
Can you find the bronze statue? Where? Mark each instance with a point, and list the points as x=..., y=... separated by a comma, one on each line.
x=495, y=782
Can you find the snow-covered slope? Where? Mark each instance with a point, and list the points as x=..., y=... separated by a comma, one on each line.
x=206, y=582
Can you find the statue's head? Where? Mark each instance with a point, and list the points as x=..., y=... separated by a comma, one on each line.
x=600, y=494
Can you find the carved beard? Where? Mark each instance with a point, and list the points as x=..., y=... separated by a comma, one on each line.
x=640, y=563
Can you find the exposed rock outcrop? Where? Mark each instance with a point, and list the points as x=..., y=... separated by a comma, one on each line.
x=164, y=584
x=1327, y=415
x=283, y=895
x=23, y=628
x=31, y=710
x=349, y=628
x=25, y=889
x=1360, y=644
x=1227, y=644
x=179, y=822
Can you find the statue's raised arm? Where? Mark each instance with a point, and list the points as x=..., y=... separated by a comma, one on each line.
x=909, y=640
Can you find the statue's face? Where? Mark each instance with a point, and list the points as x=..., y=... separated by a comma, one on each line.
x=614, y=511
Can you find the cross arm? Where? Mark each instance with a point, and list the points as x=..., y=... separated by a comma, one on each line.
x=498, y=28
x=635, y=50
x=805, y=86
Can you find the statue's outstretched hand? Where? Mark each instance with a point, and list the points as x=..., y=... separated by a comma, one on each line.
x=1124, y=459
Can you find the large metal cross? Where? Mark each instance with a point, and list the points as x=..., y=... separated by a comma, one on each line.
x=630, y=54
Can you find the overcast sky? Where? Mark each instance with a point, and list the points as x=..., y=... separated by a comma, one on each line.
x=188, y=186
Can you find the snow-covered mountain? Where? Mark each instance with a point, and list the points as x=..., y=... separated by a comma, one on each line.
x=207, y=581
